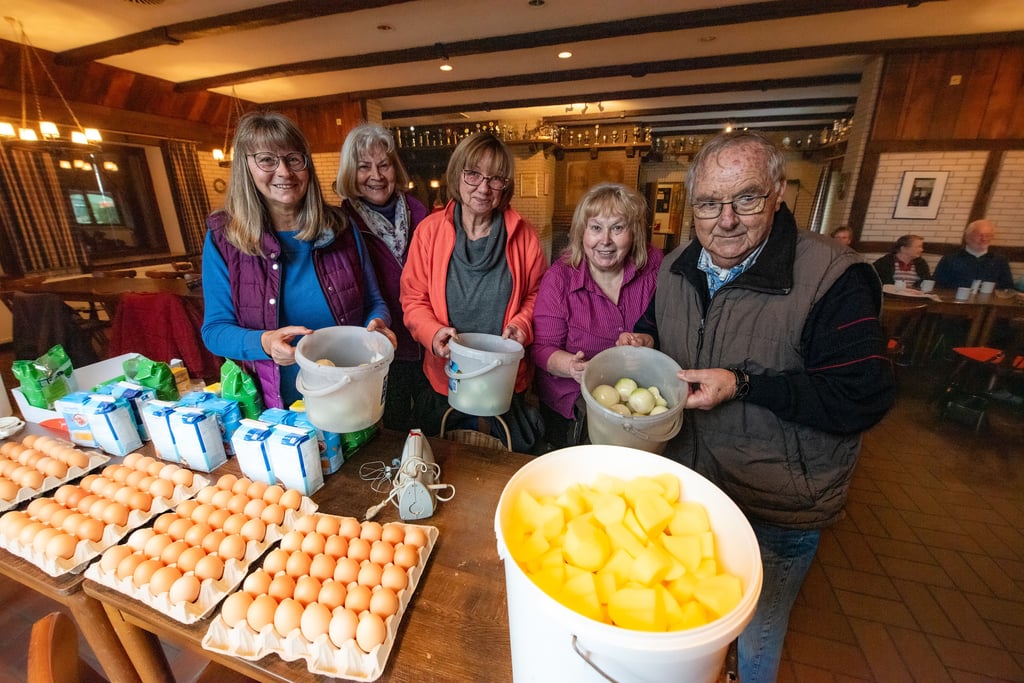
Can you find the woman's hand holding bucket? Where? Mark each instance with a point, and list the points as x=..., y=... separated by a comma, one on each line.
x=515, y=334
x=278, y=343
x=439, y=345
x=377, y=325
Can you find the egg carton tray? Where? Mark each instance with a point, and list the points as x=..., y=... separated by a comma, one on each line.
x=86, y=551
x=321, y=656
x=96, y=460
x=211, y=591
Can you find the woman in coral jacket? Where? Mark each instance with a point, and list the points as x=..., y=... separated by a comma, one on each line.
x=474, y=267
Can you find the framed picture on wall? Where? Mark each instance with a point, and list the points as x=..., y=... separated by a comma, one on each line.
x=920, y=194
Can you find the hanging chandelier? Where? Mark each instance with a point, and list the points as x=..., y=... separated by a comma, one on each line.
x=224, y=155
x=46, y=135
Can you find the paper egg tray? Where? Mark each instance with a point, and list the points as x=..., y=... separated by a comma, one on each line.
x=86, y=550
x=321, y=656
x=96, y=459
x=211, y=591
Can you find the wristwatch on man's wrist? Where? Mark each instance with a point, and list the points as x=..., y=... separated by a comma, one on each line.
x=742, y=384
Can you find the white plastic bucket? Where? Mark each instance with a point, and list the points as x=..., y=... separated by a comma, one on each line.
x=551, y=642
x=349, y=396
x=482, y=373
x=647, y=367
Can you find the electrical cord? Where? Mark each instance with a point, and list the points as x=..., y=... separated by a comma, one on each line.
x=400, y=475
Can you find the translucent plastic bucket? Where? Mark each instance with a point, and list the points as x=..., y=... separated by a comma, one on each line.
x=551, y=642
x=647, y=367
x=349, y=396
x=482, y=373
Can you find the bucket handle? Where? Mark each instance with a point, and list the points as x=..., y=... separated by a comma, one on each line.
x=585, y=656
x=673, y=430
x=472, y=373
x=317, y=393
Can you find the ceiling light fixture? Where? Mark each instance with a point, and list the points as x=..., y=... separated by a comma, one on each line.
x=446, y=64
x=564, y=54
x=235, y=112
x=81, y=138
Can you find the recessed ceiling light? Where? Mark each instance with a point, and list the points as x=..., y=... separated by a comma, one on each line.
x=536, y=3
x=564, y=54
x=385, y=27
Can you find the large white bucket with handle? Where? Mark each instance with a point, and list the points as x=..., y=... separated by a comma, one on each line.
x=551, y=642
x=647, y=367
x=482, y=373
x=349, y=395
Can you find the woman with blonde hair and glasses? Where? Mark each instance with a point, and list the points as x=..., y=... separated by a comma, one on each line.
x=474, y=267
x=278, y=262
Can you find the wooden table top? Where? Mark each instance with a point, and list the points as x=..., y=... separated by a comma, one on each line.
x=457, y=621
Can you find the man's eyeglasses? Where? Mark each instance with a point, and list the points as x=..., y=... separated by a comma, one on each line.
x=474, y=178
x=268, y=162
x=744, y=205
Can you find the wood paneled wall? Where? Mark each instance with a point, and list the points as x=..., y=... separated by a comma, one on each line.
x=919, y=102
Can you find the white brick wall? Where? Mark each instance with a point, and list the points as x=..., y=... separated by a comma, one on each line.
x=1006, y=207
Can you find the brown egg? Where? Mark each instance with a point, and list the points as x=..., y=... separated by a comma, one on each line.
x=322, y=566
x=27, y=441
x=306, y=523
x=343, y=626
x=139, y=538
x=288, y=616
x=382, y=553
x=109, y=489
x=416, y=536
x=371, y=531
x=8, y=489
x=122, y=494
x=210, y=567
x=131, y=459
x=144, y=571
x=213, y=540
x=71, y=522
x=350, y=527
x=370, y=632
x=143, y=463
x=273, y=514
x=359, y=549
x=306, y=589
x=276, y=561
x=291, y=499
x=141, y=501
x=134, y=479
x=55, y=468
x=97, y=508
x=316, y=620
x=256, y=490
x=327, y=525
x=179, y=527
x=205, y=495
x=384, y=602
x=254, y=530
x=257, y=583
x=336, y=546
x=153, y=469
x=162, y=523
x=233, y=547
x=75, y=458
x=221, y=498
x=159, y=488
x=43, y=537
x=58, y=516
x=182, y=477
x=171, y=553
x=94, y=483
x=226, y=481
x=163, y=579
x=12, y=523
x=346, y=570
x=185, y=589
x=292, y=540
x=116, y=514
x=234, y=609
x=241, y=485
x=395, y=578
x=218, y=517
x=273, y=494
x=358, y=598
x=254, y=508
x=313, y=543
x=156, y=544
x=117, y=472
x=32, y=479
x=234, y=523
x=393, y=533
x=36, y=505
x=261, y=612
x=189, y=558
x=126, y=567
x=112, y=556
x=72, y=495
x=14, y=450
x=406, y=556
x=332, y=594
x=202, y=512
x=90, y=529
x=29, y=457
x=369, y=574
x=298, y=563
x=61, y=546
x=281, y=586
x=167, y=472
x=186, y=507
x=196, y=534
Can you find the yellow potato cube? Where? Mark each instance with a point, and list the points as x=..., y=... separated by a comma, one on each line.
x=580, y=594
x=707, y=544
x=550, y=579
x=606, y=583
x=573, y=502
x=694, y=615
x=605, y=483
x=670, y=486
x=641, y=487
x=707, y=568
x=620, y=564
x=689, y=518
x=682, y=588
x=623, y=538
x=608, y=508
x=686, y=549
x=531, y=548
x=651, y=566
x=638, y=609
x=633, y=524
x=673, y=611
x=720, y=594
x=653, y=513
x=586, y=545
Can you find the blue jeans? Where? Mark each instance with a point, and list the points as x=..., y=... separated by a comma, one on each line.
x=786, y=555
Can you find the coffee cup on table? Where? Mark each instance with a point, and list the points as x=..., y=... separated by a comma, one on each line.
x=927, y=285
x=975, y=286
x=988, y=287
x=963, y=293
x=901, y=284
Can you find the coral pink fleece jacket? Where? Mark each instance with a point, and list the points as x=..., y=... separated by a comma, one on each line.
x=426, y=273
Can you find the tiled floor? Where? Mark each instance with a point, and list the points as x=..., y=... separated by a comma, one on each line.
x=923, y=580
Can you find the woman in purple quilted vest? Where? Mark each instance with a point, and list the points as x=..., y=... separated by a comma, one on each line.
x=371, y=179
x=279, y=262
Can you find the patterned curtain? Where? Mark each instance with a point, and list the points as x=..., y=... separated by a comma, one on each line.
x=35, y=219
x=189, y=192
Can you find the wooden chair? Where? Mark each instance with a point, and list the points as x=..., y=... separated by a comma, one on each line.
x=900, y=319
x=476, y=437
x=53, y=653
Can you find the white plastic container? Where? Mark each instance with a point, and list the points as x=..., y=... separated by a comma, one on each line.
x=549, y=641
x=482, y=373
x=349, y=396
x=647, y=367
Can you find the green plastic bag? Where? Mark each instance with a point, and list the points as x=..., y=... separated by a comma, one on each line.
x=47, y=378
x=236, y=384
x=155, y=375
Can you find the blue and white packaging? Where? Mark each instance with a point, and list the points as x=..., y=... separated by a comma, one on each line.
x=136, y=395
x=112, y=425
x=295, y=458
x=72, y=407
x=250, y=442
x=198, y=439
x=157, y=417
x=226, y=411
x=331, y=454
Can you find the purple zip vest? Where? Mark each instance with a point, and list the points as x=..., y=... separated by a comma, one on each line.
x=256, y=286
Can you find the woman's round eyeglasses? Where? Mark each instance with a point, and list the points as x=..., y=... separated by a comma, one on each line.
x=474, y=178
x=744, y=205
x=268, y=162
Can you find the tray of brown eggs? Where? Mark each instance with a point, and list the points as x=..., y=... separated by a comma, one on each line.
x=38, y=464
x=332, y=593
x=193, y=556
x=63, y=532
